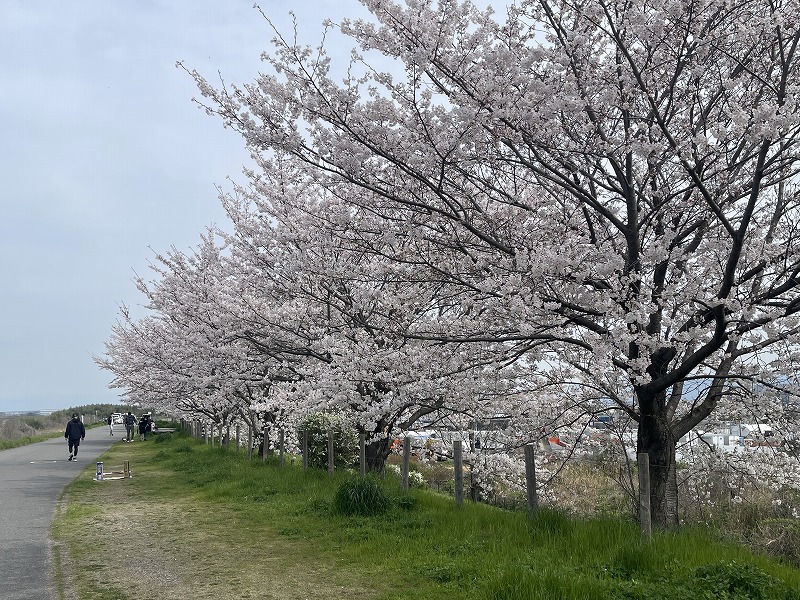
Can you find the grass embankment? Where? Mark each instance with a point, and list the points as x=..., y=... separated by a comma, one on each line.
x=35, y=439
x=197, y=522
x=29, y=439
x=24, y=429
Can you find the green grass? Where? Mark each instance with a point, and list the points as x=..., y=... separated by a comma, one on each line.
x=228, y=528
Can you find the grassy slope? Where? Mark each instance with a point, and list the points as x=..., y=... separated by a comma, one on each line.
x=41, y=436
x=196, y=522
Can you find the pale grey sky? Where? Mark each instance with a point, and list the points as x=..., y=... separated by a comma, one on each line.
x=103, y=156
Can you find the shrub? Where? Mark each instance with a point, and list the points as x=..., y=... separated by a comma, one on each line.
x=782, y=538
x=15, y=428
x=35, y=422
x=737, y=581
x=345, y=439
x=361, y=496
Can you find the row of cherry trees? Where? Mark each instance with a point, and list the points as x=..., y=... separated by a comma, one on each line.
x=540, y=213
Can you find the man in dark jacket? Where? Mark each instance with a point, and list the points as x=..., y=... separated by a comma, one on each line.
x=130, y=423
x=74, y=433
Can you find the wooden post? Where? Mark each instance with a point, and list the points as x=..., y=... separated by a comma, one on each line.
x=406, y=461
x=266, y=440
x=330, y=452
x=238, y=445
x=362, y=453
x=249, y=441
x=643, y=460
x=305, y=449
x=458, y=472
x=530, y=476
x=228, y=437
x=280, y=447
x=265, y=443
x=126, y=468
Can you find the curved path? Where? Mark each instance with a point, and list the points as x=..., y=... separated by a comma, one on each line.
x=31, y=481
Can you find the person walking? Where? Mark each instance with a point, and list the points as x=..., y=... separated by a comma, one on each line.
x=130, y=423
x=144, y=427
x=110, y=421
x=74, y=433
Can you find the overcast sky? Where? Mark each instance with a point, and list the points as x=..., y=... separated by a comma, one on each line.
x=104, y=159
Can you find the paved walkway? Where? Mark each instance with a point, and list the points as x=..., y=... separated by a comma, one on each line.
x=31, y=481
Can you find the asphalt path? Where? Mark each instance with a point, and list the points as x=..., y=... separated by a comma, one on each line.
x=31, y=481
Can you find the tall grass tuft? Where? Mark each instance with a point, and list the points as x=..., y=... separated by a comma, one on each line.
x=523, y=583
x=361, y=496
x=184, y=446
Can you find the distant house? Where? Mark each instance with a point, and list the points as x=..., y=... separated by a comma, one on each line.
x=738, y=437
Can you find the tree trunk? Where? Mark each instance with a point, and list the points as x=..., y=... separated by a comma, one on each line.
x=376, y=453
x=656, y=439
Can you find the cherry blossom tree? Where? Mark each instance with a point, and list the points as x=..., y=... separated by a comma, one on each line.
x=283, y=320
x=184, y=357
x=604, y=187
x=343, y=308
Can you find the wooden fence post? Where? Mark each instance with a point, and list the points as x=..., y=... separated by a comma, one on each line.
x=406, y=461
x=126, y=468
x=305, y=449
x=643, y=460
x=530, y=475
x=458, y=472
x=362, y=453
x=280, y=447
x=330, y=452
